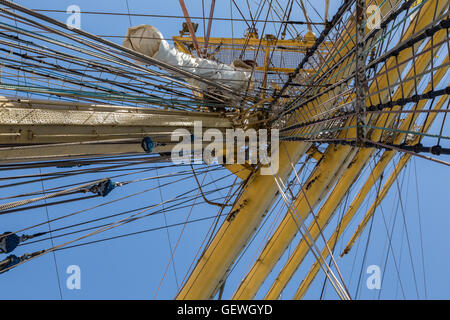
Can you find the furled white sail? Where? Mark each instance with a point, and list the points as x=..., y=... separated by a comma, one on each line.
x=148, y=40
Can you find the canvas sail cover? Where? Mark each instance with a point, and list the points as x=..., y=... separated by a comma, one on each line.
x=149, y=41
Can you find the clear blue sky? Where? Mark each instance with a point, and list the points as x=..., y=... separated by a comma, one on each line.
x=131, y=268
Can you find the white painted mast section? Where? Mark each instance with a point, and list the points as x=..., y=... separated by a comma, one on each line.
x=32, y=130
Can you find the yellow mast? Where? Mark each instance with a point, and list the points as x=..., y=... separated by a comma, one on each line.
x=327, y=209
x=287, y=229
x=374, y=176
